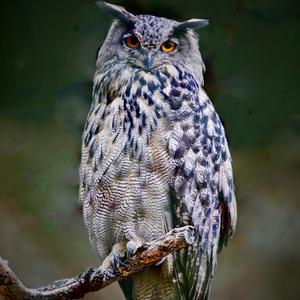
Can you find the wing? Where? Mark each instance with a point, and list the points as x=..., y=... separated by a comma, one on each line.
x=204, y=191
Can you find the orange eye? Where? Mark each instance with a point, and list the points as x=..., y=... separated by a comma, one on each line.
x=132, y=42
x=168, y=46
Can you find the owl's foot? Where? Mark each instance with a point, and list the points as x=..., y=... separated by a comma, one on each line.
x=106, y=268
x=132, y=246
x=119, y=255
x=108, y=274
x=115, y=259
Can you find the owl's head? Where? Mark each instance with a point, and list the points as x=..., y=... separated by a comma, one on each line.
x=147, y=42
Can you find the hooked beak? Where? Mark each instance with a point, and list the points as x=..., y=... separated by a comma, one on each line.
x=148, y=61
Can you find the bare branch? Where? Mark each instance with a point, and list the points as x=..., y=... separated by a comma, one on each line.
x=95, y=279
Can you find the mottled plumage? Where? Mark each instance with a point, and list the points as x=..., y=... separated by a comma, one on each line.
x=155, y=156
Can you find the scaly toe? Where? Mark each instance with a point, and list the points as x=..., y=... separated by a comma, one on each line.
x=108, y=274
x=118, y=261
x=118, y=256
x=132, y=247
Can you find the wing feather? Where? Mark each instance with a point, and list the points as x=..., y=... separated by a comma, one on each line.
x=205, y=195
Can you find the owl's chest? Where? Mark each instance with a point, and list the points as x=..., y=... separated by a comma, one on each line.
x=132, y=119
x=133, y=180
x=129, y=145
x=136, y=147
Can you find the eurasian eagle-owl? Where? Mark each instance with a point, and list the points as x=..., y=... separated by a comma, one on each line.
x=155, y=155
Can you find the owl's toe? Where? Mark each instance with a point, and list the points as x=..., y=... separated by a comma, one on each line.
x=108, y=274
x=117, y=262
x=132, y=247
x=118, y=256
x=106, y=267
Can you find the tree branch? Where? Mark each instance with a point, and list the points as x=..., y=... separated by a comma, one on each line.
x=95, y=279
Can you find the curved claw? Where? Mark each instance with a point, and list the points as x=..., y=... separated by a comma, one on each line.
x=132, y=246
x=114, y=265
x=160, y=262
x=108, y=274
x=118, y=260
x=129, y=253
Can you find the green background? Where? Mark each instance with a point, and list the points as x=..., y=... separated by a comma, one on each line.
x=251, y=50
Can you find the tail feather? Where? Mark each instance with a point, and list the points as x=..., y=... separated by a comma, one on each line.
x=193, y=273
x=153, y=284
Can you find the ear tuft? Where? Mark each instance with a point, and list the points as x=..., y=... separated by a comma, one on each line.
x=192, y=24
x=117, y=12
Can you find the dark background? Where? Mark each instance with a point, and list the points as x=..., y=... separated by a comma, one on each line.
x=251, y=50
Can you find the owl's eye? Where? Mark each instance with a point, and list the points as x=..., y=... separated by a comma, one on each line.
x=132, y=42
x=168, y=46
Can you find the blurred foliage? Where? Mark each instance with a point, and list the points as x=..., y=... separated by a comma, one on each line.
x=251, y=50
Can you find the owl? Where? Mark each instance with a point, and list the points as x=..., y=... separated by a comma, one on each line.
x=155, y=156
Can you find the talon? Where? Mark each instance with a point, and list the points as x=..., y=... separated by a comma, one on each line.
x=117, y=259
x=129, y=253
x=108, y=274
x=114, y=265
x=160, y=262
x=132, y=247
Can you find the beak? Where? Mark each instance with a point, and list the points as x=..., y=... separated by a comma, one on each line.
x=148, y=61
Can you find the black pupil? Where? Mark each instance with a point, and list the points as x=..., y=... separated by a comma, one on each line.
x=168, y=44
x=133, y=40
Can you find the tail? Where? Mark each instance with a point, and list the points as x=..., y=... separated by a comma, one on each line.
x=193, y=272
x=189, y=279
x=152, y=284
